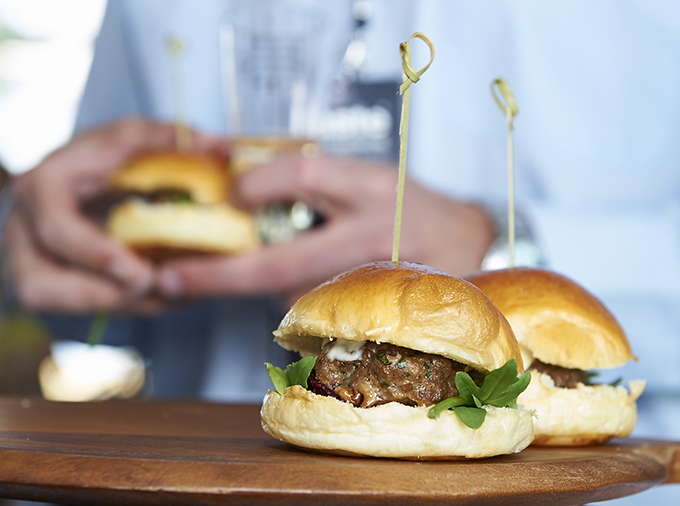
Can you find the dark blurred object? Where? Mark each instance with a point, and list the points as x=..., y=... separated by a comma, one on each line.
x=4, y=176
x=6, y=198
x=363, y=119
x=24, y=341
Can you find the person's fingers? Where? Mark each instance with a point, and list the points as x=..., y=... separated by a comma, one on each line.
x=41, y=284
x=50, y=196
x=63, y=232
x=134, y=135
x=439, y=231
x=309, y=259
x=327, y=184
x=112, y=145
x=91, y=155
x=140, y=134
x=347, y=193
x=219, y=146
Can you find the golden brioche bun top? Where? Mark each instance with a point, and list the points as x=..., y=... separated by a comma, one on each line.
x=555, y=319
x=407, y=305
x=204, y=177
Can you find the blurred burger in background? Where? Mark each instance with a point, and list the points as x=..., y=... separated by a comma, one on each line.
x=176, y=203
x=565, y=333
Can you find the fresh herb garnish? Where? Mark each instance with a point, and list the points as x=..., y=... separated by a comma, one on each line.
x=182, y=198
x=428, y=371
x=294, y=374
x=383, y=358
x=590, y=375
x=95, y=334
x=500, y=388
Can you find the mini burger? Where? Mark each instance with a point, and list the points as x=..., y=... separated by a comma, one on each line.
x=178, y=205
x=388, y=349
x=564, y=333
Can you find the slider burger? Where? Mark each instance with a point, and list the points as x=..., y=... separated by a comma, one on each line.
x=398, y=362
x=179, y=206
x=564, y=332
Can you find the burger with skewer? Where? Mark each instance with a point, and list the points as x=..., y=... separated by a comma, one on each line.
x=175, y=203
x=400, y=360
x=565, y=334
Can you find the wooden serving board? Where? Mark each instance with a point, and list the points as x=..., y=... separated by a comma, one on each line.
x=151, y=452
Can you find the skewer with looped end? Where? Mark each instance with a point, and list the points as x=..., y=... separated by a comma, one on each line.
x=100, y=321
x=509, y=108
x=410, y=76
x=182, y=130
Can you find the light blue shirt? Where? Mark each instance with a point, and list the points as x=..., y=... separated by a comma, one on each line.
x=597, y=138
x=597, y=145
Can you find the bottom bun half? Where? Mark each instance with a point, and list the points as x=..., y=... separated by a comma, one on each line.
x=585, y=415
x=216, y=228
x=304, y=419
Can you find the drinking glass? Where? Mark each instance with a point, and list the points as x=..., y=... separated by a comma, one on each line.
x=270, y=72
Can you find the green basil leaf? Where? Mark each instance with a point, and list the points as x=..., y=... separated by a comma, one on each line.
x=182, y=198
x=298, y=372
x=616, y=382
x=449, y=403
x=590, y=376
x=383, y=358
x=278, y=377
x=500, y=389
x=511, y=393
x=466, y=387
x=472, y=417
x=497, y=381
x=478, y=402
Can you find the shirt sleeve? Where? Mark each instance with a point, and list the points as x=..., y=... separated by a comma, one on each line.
x=113, y=89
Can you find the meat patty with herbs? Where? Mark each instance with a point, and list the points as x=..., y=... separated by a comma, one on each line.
x=386, y=373
x=562, y=376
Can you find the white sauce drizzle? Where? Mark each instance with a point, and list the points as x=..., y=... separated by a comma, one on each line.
x=345, y=351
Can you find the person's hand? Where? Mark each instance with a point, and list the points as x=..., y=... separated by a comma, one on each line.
x=358, y=201
x=60, y=259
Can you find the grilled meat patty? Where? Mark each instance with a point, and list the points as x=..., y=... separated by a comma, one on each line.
x=562, y=376
x=387, y=373
x=99, y=206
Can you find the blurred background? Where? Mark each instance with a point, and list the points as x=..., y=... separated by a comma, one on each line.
x=45, y=55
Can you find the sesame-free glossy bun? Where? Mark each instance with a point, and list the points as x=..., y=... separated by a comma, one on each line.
x=304, y=419
x=408, y=305
x=555, y=319
x=585, y=415
x=207, y=224
x=560, y=323
x=206, y=178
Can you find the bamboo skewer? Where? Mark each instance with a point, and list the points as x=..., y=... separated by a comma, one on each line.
x=509, y=108
x=182, y=130
x=410, y=76
x=175, y=48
